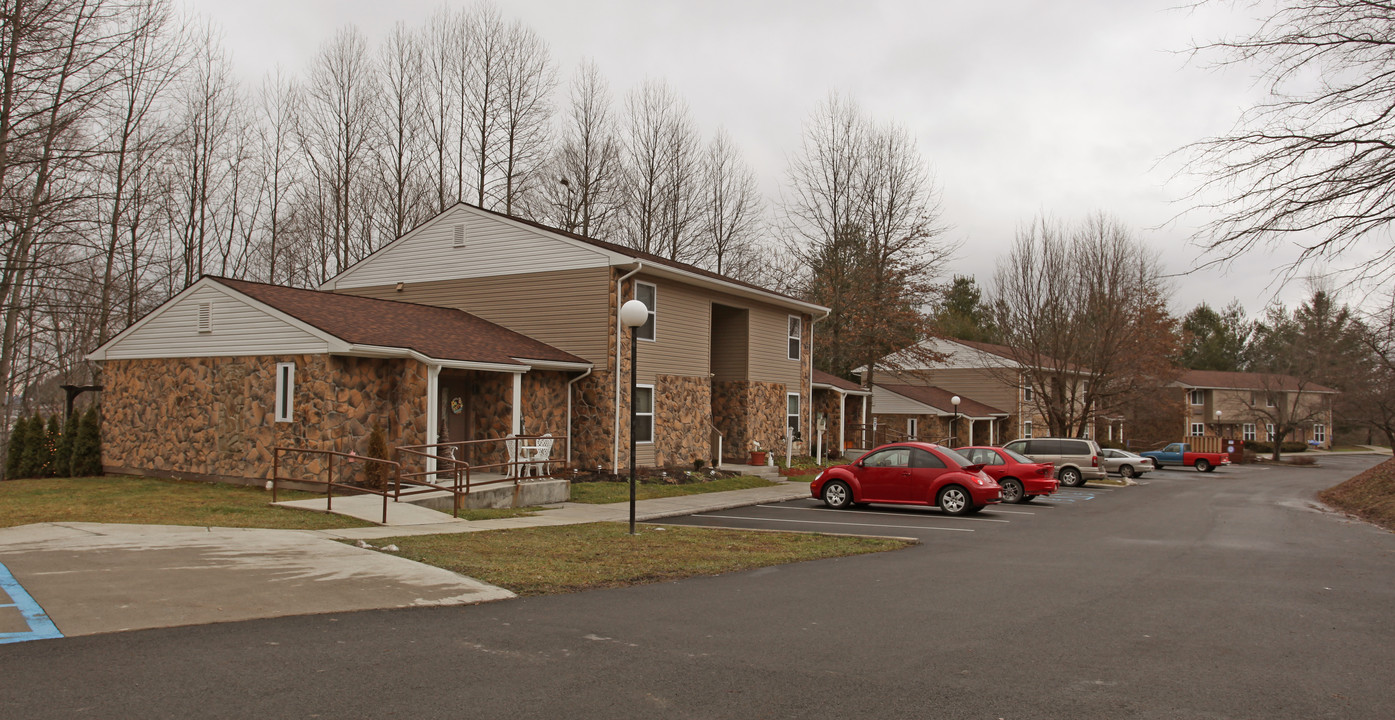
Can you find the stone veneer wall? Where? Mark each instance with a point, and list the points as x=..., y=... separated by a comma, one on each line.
x=681, y=408
x=729, y=403
x=747, y=411
x=214, y=418
x=765, y=415
x=593, y=419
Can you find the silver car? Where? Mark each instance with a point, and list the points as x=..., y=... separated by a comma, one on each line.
x=1125, y=463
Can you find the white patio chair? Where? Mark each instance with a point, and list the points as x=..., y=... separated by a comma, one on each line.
x=541, y=455
x=511, y=447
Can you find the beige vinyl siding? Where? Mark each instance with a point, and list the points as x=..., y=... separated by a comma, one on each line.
x=567, y=309
x=493, y=247
x=886, y=402
x=682, y=332
x=770, y=332
x=239, y=328
x=730, y=338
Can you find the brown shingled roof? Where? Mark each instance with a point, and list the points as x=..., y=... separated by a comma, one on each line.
x=436, y=332
x=823, y=378
x=940, y=398
x=1248, y=381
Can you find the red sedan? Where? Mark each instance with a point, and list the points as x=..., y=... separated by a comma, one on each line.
x=1021, y=477
x=910, y=473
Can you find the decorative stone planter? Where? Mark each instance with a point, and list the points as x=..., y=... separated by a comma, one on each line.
x=757, y=457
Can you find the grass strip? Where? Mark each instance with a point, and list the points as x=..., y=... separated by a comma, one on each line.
x=570, y=558
x=602, y=493
x=152, y=501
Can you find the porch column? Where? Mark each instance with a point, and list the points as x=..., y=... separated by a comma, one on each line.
x=842, y=420
x=433, y=411
x=517, y=404
x=971, y=431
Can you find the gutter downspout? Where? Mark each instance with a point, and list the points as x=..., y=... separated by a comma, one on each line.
x=570, y=435
x=619, y=300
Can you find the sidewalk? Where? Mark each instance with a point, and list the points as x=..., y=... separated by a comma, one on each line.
x=569, y=513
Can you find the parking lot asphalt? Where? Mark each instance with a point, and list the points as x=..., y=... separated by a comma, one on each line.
x=1222, y=595
x=810, y=515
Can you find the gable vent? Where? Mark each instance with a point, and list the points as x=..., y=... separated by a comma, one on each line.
x=459, y=239
x=205, y=317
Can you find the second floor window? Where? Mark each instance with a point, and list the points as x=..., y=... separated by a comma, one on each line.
x=1027, y=392
x=1198, y=397
x=796, y=332
x=649, y=295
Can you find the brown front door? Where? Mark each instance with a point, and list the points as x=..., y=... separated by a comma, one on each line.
x=456, y=412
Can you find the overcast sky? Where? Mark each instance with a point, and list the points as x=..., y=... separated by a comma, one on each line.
x=1021, y=107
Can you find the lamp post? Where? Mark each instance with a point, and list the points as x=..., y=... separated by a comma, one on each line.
x=1218, y=423
x=954, y=429
x=633, y=314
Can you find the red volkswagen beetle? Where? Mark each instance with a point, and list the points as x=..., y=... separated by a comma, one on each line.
x=1021, y=477
x=910, y=473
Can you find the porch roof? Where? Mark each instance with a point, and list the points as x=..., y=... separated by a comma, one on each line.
x=938, y=399
x=436, y=332
x=829, y=381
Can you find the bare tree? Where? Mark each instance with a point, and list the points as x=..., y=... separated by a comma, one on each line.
x=1375, y=404
x=731, y=209
x=1071, y=303
x=526, y=83
x=442, y=48
x=580, y=191
x=1312, y=165
x=336, y=129
x=861, y=218
x=482, y=42
x=401, y=156
x=277, y=122
x=662, y=168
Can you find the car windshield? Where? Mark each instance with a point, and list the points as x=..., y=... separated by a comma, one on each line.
x=1019, y=457
x=954, y=457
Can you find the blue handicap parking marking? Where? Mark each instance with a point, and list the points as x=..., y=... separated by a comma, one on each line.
x=41, y=627
x=1076, y=496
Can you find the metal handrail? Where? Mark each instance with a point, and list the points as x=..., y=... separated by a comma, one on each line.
x=461, y=471
x=720, y=438
x=329, y=471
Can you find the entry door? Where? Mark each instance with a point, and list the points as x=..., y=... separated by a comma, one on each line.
x=456, y=414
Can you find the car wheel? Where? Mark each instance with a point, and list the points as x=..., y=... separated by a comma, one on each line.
x=1202, y=465
x=1070, y=477
x=1126, y=471
x=837, y=495
x=955, y=500
x=1012, y=490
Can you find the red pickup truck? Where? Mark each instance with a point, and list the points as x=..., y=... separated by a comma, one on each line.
x=1181, y=454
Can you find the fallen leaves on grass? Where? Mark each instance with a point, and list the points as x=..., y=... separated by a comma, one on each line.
x=1369, y=495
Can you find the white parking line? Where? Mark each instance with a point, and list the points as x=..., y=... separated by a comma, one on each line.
x=1010, y=512
x=822, y=522
x=883, y=514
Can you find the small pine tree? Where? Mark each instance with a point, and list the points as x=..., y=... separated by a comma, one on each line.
x=31, y=464
x=376, y=474
x=63, y=449
x=87, y=446
x=19, y=443
x=50, y=452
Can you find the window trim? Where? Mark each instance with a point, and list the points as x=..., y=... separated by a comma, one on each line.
x=1027, y=392
x=1270, y=432
x=1026, y=429
x=635, y=414
x=1197, y=430
x=1196, y=396
x=285, y=392
x=653, y=313
x=799, y=413
x=1320, y=432
x=1248, y=433
x=912, y=427
x=795, y=338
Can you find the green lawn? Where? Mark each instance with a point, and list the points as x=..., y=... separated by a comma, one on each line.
x=569, y=558
x=156, y=502
x=601, y=493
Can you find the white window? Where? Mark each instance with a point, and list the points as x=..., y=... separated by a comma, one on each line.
x=912, y=428
x=1269, y=431
x=1320, y=432
x=1088, y=429
x=1248, y=432
x=205, y=317
x=1198, y=397
x=1198, y=429
x=792, y=413
x=1268, y=401
x=649, y=295
x=1027, y=392
x=644, y=414
x=1027, y=428
x=285, y=391
x=795, y=333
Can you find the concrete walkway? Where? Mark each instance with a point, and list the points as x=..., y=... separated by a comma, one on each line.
x=86, y=578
